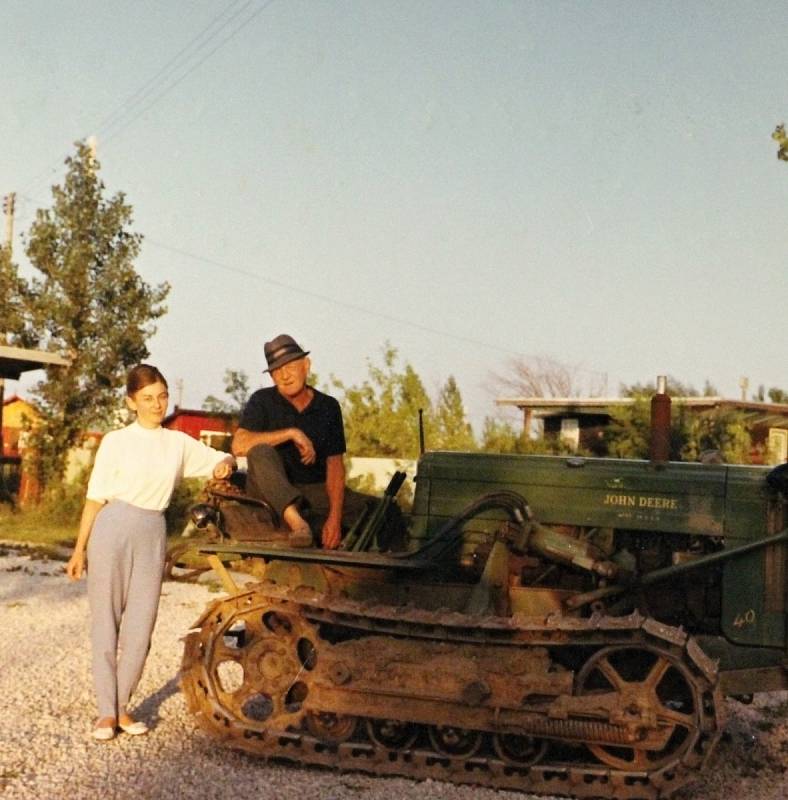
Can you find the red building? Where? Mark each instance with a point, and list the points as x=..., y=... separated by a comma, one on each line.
x=214, y=428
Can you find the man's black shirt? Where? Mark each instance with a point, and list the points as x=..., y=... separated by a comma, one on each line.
x=266, y=410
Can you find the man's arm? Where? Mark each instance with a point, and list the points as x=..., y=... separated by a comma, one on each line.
x=244, y=440
x=335, y=489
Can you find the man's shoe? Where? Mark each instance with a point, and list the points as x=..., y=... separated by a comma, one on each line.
x=300, y=537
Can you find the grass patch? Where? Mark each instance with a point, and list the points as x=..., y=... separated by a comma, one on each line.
x=54, y=524
x=37, y=526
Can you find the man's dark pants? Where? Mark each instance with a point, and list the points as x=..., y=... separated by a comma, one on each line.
x=266, y=478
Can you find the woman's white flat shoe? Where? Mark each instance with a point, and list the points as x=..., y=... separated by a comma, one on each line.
x=103, y=734
x=135, y=729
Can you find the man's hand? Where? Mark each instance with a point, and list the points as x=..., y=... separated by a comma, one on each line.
x=305, y=447
x=331, y=534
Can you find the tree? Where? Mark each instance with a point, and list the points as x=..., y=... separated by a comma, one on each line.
x=691, y=434
x=87, y=302
x=776, y=395
x=236, y=385
x=674, y=388
x=500, y=436
x=382, y=414
x=452, y=430
x=629, y=433
x=13, y=328
x=539, y=376
x=717, y=429
x=781, y=138
x=536, y=377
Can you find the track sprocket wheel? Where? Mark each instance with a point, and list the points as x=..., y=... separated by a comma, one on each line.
x=254, y=664
x=658, y=699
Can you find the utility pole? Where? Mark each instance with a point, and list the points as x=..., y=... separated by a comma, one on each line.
x=8, y=242
x=9, y=201
x=5, y=495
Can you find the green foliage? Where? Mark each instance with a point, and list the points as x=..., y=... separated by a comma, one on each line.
x=52, y=523
x=452, y=431
x=87, y=302
x=186, y=495
x=36, y=526
x=65, y=500
x=691, y=433
x=236, y=386
x=725, y=431
x=499, y=436
x=365, y=483
x=775, y=395
x=781, y=138
x=709, y=390
x=55, y=521
x=382, y=414
x=675, y=388
x=13, y=290
x=628, y=434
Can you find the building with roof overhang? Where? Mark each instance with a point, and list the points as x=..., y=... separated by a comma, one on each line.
x=13, y=362
x=581, y=421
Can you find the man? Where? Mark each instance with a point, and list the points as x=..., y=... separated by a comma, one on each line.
x=293, y=438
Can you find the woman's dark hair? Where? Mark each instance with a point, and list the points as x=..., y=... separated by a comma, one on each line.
x=141, y=376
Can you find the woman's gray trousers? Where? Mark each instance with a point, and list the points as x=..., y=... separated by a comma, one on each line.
x=126, y=551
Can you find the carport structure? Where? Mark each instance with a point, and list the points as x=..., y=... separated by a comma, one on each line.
x=13, y=362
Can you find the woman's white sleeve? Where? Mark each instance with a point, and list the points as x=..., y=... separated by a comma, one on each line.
x=199, y=460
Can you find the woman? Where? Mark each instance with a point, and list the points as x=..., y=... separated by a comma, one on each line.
x=122, y=537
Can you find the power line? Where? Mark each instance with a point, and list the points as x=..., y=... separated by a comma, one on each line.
x=114, y=123
x=168, y=88
x=333, y=300
x=143, y=90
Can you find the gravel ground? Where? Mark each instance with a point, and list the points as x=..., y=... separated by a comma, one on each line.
x=47, y=709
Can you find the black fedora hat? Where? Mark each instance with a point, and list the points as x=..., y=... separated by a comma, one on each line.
x=281, y=350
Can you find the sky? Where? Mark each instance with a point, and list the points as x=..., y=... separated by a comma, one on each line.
x=467, y=181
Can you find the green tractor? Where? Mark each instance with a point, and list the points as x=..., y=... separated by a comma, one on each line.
x=565, y=626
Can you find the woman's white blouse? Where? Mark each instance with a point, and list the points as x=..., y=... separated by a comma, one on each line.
x=142, y=466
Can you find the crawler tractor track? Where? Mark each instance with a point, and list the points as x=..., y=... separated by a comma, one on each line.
x=278, y=673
